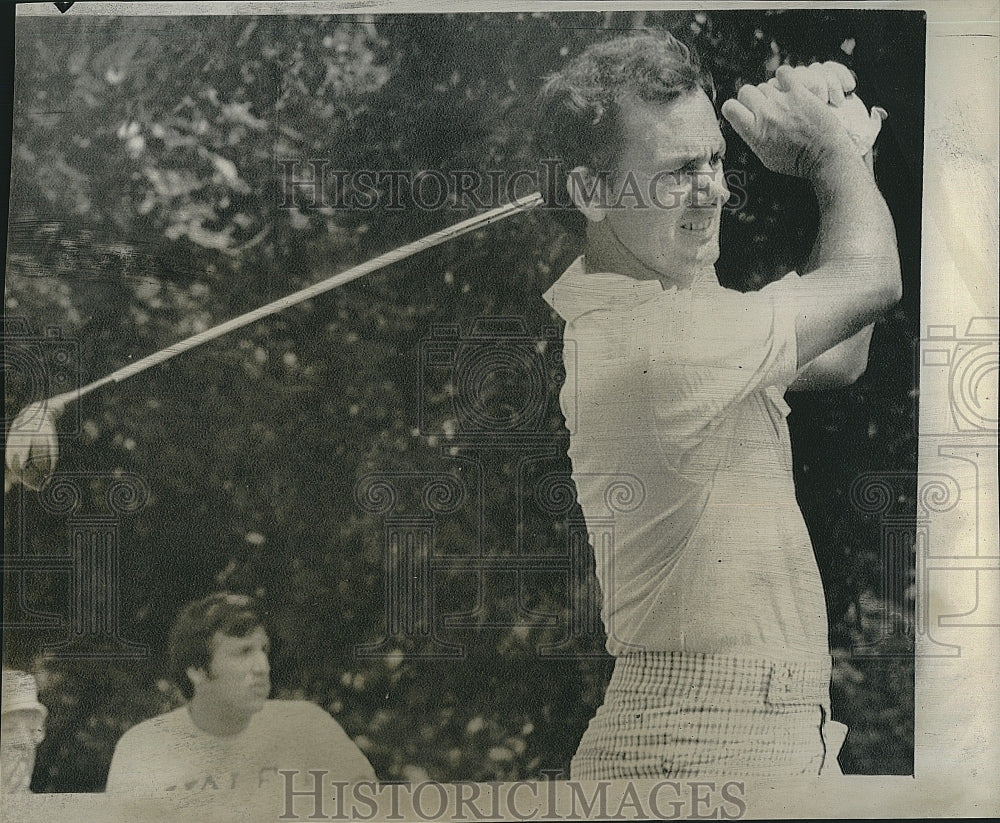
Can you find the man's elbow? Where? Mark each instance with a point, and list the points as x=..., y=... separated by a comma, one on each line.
x=851, y=374
x=831, y=371
x=890, y=290
x=891, y=294
x=841, y=374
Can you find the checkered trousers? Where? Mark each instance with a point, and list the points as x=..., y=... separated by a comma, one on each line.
x=674, y=714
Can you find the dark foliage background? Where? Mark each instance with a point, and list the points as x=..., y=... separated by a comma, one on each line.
x=145, y=205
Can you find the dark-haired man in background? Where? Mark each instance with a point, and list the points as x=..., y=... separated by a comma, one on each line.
x=712, y=599
x=229, y=736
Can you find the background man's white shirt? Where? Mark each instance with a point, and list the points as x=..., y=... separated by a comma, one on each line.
x=170, y=754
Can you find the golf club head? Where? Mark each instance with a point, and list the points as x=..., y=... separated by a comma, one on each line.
x=32, y=446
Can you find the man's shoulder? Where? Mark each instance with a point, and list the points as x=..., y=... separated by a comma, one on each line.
x=292, y=707
x=710, y=290
x=306, y=733
x=731, y=317
x=300, y=721
x=594, y=298
x=163, y=724
x=295, y=711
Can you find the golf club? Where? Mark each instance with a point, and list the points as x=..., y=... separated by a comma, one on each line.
x=32, y=442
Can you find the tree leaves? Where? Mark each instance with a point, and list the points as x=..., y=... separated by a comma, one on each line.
x=146, y=205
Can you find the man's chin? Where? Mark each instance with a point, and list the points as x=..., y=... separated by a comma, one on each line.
x=708, y=253
x=697, y=257
x=256, y=703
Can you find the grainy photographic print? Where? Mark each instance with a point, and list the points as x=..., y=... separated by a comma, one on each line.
x=500, y=411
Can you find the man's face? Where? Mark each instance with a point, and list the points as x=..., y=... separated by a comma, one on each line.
x=238, y=679
x=672, y=157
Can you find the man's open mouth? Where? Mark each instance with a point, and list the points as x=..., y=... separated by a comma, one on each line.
x=697, y=225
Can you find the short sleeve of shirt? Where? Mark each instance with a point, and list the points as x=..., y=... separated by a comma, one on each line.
x=141, y=757
x=122, y=774
x=711, y=349
x=328, y=745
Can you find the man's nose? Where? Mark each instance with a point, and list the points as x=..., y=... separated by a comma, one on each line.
x=708, y=187
x=720, y=191
x=261, y=663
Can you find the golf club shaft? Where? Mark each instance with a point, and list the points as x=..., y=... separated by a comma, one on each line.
x=353, y=273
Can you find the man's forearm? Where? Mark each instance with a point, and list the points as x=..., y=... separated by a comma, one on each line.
x=847, y=361
x=856, y=243
x=853, y=277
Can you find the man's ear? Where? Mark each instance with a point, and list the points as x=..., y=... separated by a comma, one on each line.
x=588, y=193
x=197, y=676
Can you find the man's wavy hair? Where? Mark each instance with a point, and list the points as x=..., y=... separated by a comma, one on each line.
x=190, y=644
x=580, y=106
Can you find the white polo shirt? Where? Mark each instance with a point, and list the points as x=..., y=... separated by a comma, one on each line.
x=677, y=395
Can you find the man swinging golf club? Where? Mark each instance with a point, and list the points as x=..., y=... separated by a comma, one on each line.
x=712, y=599
x=229, y=736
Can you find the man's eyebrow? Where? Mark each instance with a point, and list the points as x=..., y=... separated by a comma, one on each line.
x=684, y=156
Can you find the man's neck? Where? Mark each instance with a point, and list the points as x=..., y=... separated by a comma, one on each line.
x=605, y=252
x=214, y=721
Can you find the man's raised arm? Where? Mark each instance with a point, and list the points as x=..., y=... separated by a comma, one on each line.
x=847, y=361
x=856, y=276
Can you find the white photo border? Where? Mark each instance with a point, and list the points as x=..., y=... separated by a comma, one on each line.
x=956, y=749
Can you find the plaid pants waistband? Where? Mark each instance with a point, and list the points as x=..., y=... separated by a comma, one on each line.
x=708, y=678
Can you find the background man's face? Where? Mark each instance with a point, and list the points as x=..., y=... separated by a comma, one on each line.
x=674, y=153
x=20, y=734
x=238, y=678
